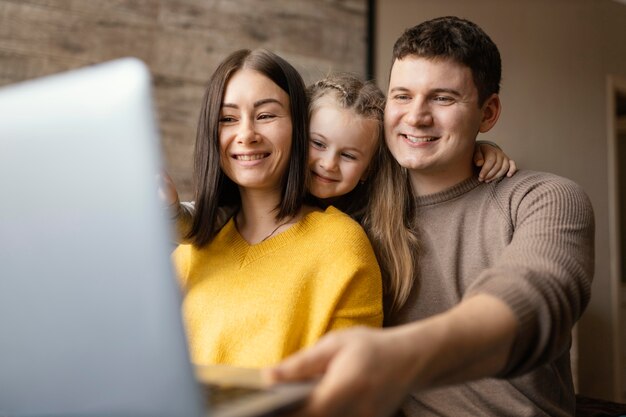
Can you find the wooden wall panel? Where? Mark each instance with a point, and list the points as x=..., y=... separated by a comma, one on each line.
x=181, y=41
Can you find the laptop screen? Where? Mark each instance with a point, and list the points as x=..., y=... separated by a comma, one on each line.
x=89, y=309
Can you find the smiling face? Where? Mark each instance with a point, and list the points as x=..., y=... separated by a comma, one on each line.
x=342, y=145
x=255, y=131
x=432, y=118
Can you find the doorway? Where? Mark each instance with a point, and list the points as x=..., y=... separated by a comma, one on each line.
x=616, y=118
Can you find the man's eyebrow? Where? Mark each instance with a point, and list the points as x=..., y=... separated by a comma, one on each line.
x=398, y=89
x=447, y=90
x=433, y=91
x=257, y=103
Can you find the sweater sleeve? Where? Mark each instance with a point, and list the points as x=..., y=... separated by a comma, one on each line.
x=544, y=274
x=359, y=301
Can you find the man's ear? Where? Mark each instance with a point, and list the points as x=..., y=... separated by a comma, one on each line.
x=491, y=112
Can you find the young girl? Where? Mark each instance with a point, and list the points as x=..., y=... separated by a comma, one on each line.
x=246, y=302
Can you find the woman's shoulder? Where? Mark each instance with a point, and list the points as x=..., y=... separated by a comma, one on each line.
x=336, y=228
x=333, y=217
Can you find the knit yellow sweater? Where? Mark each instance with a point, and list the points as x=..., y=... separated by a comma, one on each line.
x=253, y=305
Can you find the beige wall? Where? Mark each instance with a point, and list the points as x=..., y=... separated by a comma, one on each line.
x=556, y=58
x=182, y=41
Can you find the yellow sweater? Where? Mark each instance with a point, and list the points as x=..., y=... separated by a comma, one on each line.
x=253, y=305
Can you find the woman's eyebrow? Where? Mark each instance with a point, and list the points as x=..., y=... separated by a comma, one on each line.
x=266, y=101
x=257, y=103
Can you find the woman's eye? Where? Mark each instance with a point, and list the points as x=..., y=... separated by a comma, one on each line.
x=227, y=119
x=266, y=116
x=401, y=97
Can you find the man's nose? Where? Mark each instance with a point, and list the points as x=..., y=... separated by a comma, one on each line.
x=419, y=113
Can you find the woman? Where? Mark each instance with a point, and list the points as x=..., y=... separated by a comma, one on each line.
x=247, y=302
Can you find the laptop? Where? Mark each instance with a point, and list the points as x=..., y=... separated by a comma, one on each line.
x=90, y=318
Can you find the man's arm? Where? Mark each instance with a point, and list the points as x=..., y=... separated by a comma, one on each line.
x=369, y=372
x=516, y=316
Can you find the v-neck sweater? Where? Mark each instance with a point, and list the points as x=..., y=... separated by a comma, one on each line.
x=254, y=304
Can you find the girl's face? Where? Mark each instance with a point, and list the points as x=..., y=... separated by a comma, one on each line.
x=254, y=131
x=342, y=145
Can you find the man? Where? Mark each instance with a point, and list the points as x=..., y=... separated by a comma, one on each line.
x=503, y=269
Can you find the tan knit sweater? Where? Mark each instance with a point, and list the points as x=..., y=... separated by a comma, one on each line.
x=529, y=241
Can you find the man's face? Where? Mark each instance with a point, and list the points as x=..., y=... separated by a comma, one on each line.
x=432, y=118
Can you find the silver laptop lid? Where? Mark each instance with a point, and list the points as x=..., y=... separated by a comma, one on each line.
x=89, y=314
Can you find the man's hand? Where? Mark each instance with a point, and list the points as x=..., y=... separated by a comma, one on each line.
x=365, y=373
x=369, y=372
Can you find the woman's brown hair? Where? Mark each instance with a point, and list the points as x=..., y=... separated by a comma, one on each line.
x=212, y=188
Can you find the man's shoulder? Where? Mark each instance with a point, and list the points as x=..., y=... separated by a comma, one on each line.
x=527, y=180
x=540, y=187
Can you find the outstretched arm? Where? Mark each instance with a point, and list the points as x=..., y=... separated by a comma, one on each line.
x=369, y=372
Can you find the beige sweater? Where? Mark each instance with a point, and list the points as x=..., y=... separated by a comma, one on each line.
x=529, y=241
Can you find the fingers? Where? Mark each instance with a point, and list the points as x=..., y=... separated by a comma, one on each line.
x=167, y=190
x=479, y=158
x=306, y=364
x=338, y=393
x=497, y=166
x=490, y=167
x=512, y=168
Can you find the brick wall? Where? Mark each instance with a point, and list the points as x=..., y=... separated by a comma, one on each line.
x=182, y=41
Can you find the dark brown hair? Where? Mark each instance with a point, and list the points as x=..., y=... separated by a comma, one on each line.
x=460, y=40
x=212, y=187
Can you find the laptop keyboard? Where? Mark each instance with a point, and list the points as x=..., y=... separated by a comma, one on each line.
x=217, y=395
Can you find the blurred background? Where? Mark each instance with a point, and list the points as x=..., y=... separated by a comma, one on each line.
x=563, y=93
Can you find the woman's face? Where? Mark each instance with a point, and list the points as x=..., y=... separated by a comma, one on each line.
x=254, y=131
x=342, y=145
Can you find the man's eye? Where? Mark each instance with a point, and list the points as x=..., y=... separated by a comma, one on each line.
x=401, y=97
x=443, y=99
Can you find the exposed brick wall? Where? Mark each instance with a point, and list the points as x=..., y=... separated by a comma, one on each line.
x=182, y=41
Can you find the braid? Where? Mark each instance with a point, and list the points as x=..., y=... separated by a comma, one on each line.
x=351, y=93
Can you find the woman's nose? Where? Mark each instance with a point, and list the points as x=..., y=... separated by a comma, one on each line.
x=246, y=132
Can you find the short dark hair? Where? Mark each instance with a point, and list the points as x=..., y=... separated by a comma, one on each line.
x=212, y=187
x=460, y=40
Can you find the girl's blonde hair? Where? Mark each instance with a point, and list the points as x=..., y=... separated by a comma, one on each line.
x=389, y=221
x=386, y=216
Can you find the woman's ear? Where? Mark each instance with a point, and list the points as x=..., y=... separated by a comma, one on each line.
x=491, y=109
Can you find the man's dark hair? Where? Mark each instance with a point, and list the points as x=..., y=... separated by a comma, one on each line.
x=460, y=40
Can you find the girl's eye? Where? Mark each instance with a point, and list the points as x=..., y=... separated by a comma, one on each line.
x=349, y=156
x=317, y=144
